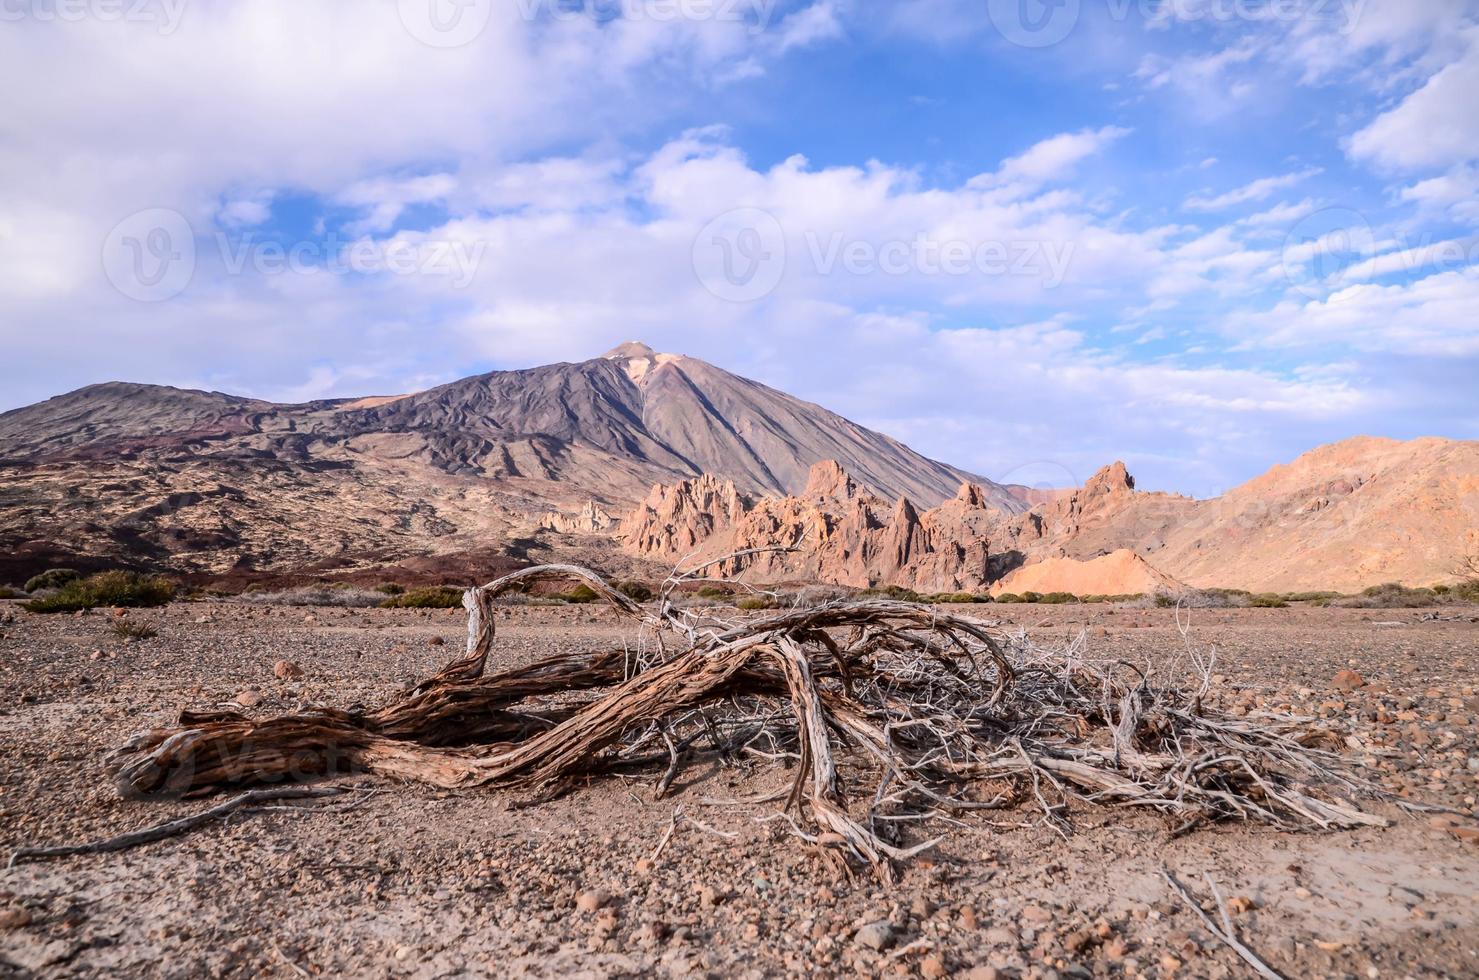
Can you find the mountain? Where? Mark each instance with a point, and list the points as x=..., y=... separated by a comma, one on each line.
x=1342, y=517
x=210, y=482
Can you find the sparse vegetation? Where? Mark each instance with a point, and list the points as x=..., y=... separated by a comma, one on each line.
x=895, y=592
x=712, y=592
x=1392, y=595
x=1268, y=601
x=579, y=595
x=125, y=630
x=435, y=597
x=957, y=598
x=123, y=589
x=1010, y=598
x=390, y=588
x=9, y=592
x=756, y=602
x=313, y=595
x=636, y=591
x=53, y=578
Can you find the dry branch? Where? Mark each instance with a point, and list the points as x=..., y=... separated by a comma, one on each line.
x=948, y=711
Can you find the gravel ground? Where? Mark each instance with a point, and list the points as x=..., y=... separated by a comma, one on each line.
x=407, y=881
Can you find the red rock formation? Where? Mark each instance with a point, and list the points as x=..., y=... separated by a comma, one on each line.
x=839, y=531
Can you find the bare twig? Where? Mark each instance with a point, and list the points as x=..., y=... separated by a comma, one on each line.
x=171, y=828
x=1226, y=934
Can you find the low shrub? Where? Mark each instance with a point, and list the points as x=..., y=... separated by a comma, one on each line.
x=124, y=589
x=635, y=591
x=390, y=588
x=958, y=598
x=579, y=595
x=713, y=592
x=8, y=592
x=1316, y=597
x=895, y=592
x=125, y=630
x=313, y=595
x=1010, y=598
x=435, y=597
x=1268, y=601
x=756, y=602
x=1058, y=599
x=53, y=578
x=1392, y=595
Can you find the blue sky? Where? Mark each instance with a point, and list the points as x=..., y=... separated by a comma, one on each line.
x=1201, y=236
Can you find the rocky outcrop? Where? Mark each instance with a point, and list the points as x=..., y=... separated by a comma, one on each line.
x=1118, y=573
x=834, y=531
x=590, y=519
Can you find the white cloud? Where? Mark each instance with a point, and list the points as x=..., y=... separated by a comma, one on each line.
x=1058, y=156
x=1257, y=190
x=1435, y=127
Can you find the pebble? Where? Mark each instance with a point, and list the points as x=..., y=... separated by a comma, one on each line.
x=590, y=901
x=932, y=966
x=15, y=918
x=248, y=699
x=1347, y=681
x=286, y=670
x=875, y=935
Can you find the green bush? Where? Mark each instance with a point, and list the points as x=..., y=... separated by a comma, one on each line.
x=1010, y=597
x=1058, y=599
x=8, y=592
x=436, y=597
x=390, y=588
x=1467, y=591
x=579, y=595
x=713, y=592
x=53, y=578
x=635, y=591
x=106, y=589
x=755, y=602
x=1317, y=597
x=1268, y=601
x=957, y=598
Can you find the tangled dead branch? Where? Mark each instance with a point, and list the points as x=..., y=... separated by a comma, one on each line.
x=943, y=713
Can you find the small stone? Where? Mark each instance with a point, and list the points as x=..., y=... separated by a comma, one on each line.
x=1347, y=681
x=875, y=935
x=1001, y=936
x=983, y=973
x=1036, y=913
x=645, y=866
x=1116, y=949
x=968, y=916
x=286, y=670
x=590, y=901
x=248, y=699
x=707, y=897
x=15, y=918
x=436, y=641
x=402, y=952
x=932, y=967
x=1170, y=964
x=1330, y=946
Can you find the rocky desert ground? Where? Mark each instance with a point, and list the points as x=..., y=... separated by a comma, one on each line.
x=404, y=881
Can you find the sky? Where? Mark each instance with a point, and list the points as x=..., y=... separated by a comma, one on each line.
x=1027, y=237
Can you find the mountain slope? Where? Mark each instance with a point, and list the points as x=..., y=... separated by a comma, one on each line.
x=132, y=472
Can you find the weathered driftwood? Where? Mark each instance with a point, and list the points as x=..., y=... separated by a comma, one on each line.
x=947, y=711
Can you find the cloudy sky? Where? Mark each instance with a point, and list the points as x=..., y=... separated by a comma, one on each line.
x=1027, y=238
